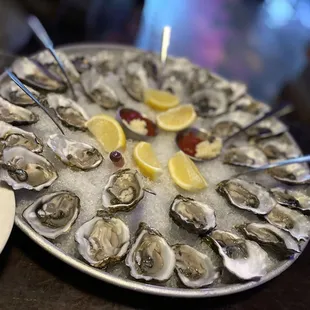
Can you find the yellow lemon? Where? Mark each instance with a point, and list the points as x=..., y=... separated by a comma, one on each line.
x=160, y=100
x=185, y=173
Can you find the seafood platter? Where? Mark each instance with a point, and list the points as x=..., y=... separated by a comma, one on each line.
x=145, y=189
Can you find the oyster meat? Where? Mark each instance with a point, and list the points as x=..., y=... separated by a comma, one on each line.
x=249, y=105
x=150, y=257
x=243, y=258
x=247, y=156
x=271, y=237
x=34, y=75
x=81, y=62
x=53, y=214
x=291, y=198
x=123, y=191
x=13, y=136
x=14, y=94
x=247, y=195
x=193, y=215
x=68, y=111
x=103, y=240
x=40, y=172
x=151, y=63
x=173, y=85
x=233, y=90
x=98, y=89
x=194, y=268
x=12, y=114
x=290, y=220
x=74, y=153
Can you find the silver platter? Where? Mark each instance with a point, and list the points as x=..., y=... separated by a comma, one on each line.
x=127, y=283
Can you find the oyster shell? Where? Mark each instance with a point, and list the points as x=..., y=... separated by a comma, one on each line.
x=135, y=80
x=233, y=90
x=249, y=105
x=202, y=78
x=151, y=63
x=99, y=91
x=14, y=94
x=103, y=240
x=247, y=195
x=12, y=114
x=173, y=85
x=271, y=237
x=68, y=111
x=194, y=268
x=106, y=62
x=37, y=77
x=150, y=256
x=13, y=136
x=193, y=215
x=123, y=191
x=53, y=214
x=41, y=173
x=74, y=153
x=247, y=156
x=81, y=62
x=243, y=258
x=290, y=220
x=291, y=198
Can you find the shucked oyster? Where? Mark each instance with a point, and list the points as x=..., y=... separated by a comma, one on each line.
x=291, y=198
x=194, y=268
x=14, y=94
x=290, y=220
x=37, y=77
x=247, y=195
x=249, y=105
x=68, y=111
x=106, y=62
x=244, y=258
x=15, y=115
x=40, y=172
x=151, y=64
x=13, y=136
x=96, y=87
x=103, y=240
x=74, y=153
x=193, y=215
x=53, y=214
x=150, y=257
x=247, y=156
x=81, y=62
x=123, y=191
x=271, y=237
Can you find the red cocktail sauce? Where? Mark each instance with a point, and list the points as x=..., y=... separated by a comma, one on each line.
x=188, y=142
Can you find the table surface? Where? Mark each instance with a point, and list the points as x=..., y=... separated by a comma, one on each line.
x=30, y=278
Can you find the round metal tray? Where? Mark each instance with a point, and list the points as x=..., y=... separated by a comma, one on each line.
x=127, y=283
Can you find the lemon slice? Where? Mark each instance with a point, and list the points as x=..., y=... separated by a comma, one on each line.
x=177, y=118
x=108, y=132
x=146, y=160
x=160, y=100
x=185, y=173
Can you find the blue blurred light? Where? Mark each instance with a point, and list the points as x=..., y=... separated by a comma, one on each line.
x=280, y=12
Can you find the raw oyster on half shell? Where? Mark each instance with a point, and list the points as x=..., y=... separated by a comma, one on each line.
x=53, y=214
x=249, y=105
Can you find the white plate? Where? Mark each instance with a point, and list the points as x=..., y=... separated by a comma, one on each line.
x=7, y=213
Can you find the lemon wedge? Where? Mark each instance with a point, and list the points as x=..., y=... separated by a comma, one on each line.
x=160, y=100
x=146, y=160
x=108, y=132
x=185, y=174
x=177, y=118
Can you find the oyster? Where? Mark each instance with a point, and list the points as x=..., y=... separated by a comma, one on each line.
x=233, y=90
x=271, y=237
x=150, y=257
x=151, y=64
x=106, y=62
x=99, y=91
x=123, y=191
x=13, y=136
x=201, y=78
x=40, y=172
x=135, y=80
x=53, y=214
x=14, y=94
x=290, y=220
x=193, y=215
x=291, y=198
x=292, y=174
x=173, y=85
x=103, y=240
x=247, y=156
x=12, y=114
x=81, y=63
x=249, y=105
x=243, y=258
x=194, y=268
x=32, y=74
x=68, y=111
x=247, y=195
x=74, y=153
